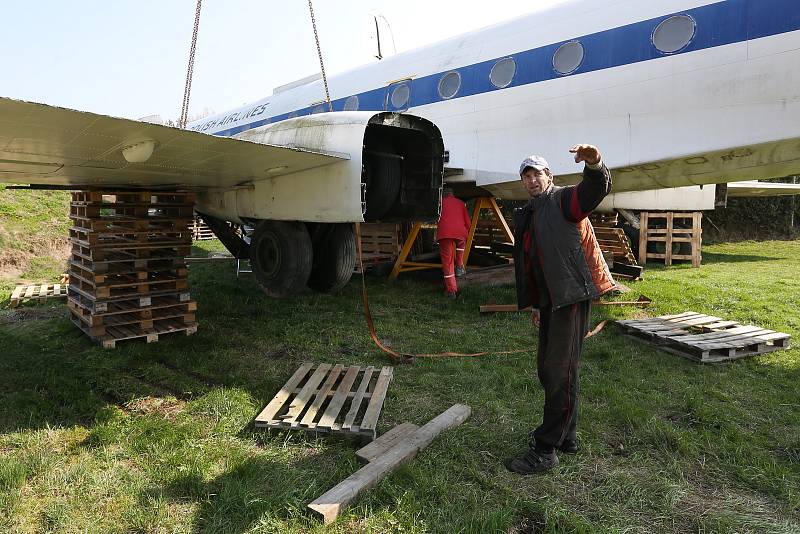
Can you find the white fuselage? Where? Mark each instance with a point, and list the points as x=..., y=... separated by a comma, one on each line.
x=724, y=107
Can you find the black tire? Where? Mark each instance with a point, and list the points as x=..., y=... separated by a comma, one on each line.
x=334, y=258
x=281, y=255
x=660, y=247
x=383, y=176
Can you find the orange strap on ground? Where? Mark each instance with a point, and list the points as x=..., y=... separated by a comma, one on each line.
x=403, y=357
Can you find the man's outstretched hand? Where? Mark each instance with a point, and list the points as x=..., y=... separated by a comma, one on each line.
x=586, y=153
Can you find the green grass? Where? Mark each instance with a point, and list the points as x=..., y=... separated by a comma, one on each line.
x=158, y=438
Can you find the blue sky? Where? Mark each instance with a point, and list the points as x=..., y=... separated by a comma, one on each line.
x=128, y=58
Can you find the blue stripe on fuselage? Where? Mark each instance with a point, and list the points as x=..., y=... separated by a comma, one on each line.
x=719, y=24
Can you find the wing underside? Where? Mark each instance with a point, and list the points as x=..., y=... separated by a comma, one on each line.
x=47, y=145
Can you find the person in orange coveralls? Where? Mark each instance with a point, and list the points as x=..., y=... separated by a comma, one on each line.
x=452, y=233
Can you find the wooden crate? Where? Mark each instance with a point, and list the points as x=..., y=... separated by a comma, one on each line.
x=379, y=241
x=325, y=398
x=650, y=231
x=23, y=293
x=705, y=338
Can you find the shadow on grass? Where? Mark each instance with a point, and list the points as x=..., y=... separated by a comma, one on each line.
x=50, y=375
x=270, y=492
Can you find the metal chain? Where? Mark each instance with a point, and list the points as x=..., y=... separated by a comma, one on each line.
x=190, y=70
x=319, y=53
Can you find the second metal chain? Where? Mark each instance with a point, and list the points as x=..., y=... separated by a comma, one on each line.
x=319, y=53
x=190, y=70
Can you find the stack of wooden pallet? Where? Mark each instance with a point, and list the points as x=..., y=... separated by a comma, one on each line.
x=128, y=276
x=612, y=240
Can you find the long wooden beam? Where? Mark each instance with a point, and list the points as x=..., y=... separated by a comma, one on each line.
x=331, y=504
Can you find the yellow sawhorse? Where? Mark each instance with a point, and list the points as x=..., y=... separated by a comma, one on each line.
x=401, y=265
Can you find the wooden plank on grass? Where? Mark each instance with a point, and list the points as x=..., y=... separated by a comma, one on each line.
x=329, y=505
x=29, y=292
x=742, y=340
x=269, y=412
x=370, y=420
x=718, y=335
x=372, y=450
x=500, y=308
x=335, y=406
x=355, y=404
x=16, y=295
x=322, y=395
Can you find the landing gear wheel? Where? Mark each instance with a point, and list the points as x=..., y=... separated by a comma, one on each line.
x=382, y=178
x=280, y=255
x=334, y=258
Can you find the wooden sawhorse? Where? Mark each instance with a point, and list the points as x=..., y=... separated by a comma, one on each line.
x=402, y=265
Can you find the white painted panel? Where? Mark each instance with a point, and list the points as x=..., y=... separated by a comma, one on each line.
x=692, y=198
x=768, y=46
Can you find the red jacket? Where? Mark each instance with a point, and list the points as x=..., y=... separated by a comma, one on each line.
x=454, y=222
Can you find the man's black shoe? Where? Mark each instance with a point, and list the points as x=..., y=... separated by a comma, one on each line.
x=532, y=462
x=568, y=446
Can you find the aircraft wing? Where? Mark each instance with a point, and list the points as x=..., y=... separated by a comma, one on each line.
x=761, y=189
x=47, y=145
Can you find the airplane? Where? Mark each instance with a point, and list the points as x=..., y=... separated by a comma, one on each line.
x=677, y=93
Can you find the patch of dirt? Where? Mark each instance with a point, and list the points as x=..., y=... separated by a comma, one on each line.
x=685, y=419
x=14, y=262
x=169, y=408
x=706, y=498
x=528, y=525
x=18, y=315
x=277, y=354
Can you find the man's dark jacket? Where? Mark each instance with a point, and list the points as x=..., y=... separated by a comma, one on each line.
x=553, y=231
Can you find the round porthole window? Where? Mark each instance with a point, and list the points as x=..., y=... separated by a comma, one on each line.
x=449, y=85
x=674, y=33
x=503, y=72
x=568, y=57
x=351, y=104
x=400, y=96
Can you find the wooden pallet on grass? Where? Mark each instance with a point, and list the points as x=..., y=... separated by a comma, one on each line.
x=24, y=293
x=126, y=332
x=329, y=398
x=705, y=338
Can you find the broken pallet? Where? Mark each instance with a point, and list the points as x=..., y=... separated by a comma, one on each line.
x=322, y=398
x=705, y=338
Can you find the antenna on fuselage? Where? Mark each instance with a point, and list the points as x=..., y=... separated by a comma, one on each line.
x=375, y=18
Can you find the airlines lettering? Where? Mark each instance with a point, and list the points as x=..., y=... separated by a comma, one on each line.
x=233, y=117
